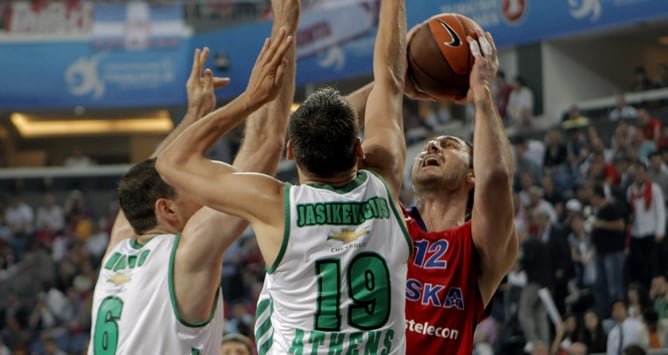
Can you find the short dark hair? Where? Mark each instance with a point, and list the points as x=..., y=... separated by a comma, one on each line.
x=238, y=338
x=598, y=191
x=323, y=132
x=634, y=349
x=138, y=190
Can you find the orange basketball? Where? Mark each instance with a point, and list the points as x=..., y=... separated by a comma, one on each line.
x=439, y=59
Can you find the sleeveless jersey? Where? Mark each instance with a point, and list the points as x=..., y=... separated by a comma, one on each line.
x=337, y=285
x=443, y=302
x=134, y=306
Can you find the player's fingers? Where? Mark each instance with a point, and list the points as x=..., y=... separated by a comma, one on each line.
x=276, y=45
x=279, y=56
x=485, y=47
x=194, y=72
x=263, y=51
x=490, y=39
x=203, y=56
x=473, y=46
x=208, y=78
x=219, y=83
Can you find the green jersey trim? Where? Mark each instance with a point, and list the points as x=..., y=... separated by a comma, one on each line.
x=135, y=244
x=359, y=180
x=172, y=292
x=398, y=216
x=286, y=228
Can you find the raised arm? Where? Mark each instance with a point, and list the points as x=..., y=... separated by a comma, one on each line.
x=384, y=145
x=201, y=100
x=492, y=219
x=183, y=165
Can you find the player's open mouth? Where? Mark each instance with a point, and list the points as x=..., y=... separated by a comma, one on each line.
x=431, y=161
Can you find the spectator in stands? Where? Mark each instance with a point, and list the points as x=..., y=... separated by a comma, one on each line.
x=648, y=227
x=663, y=140
x=650, y=126
x=627, y=330
x=50, y=216
x=594, y=336
x=77, y=159
x=622, y=110
x=582, y=253
x=657, y=173
x=236, y=344
x=608, y=237
x=641, y=147
x=637, y=297
x=566, y=334
x=661, y=75
x=239, y=321
x=574, y=119
x=641, y=80
x=551, y=194
x=655, y=333
x=520, y=106
x=19, y=218
x=555, y=149
x=624, y=169
x=535, y=262
x=634, y=349
x=537, y=202
x=578, y=348
x=658, y=293
x=51, y=347
x=501, y=91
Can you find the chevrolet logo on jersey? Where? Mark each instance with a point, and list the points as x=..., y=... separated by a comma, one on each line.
x=118, y=279
x=347, y=235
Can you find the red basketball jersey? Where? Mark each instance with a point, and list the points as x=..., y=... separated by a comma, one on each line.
x=443, y=302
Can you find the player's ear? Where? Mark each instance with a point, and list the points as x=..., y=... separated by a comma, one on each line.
x=289, y=154
x=470, y=178
x=165, y=210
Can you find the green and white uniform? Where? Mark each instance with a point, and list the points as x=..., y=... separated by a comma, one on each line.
x=134, y=306
x=339, y=281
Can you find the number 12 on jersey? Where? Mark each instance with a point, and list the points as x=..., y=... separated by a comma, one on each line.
x=368, y=285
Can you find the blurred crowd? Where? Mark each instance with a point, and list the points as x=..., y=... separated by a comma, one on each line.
x=590, y=197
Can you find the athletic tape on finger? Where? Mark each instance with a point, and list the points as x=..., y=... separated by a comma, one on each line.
x=485, y=46
x=475, y=49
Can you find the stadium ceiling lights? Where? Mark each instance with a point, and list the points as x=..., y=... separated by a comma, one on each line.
x=36, y=126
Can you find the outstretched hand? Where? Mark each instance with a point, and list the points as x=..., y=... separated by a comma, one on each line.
x=267, y=75
x=485, y=66
x=200, y=90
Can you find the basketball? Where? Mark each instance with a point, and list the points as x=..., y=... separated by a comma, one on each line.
x=439, y=60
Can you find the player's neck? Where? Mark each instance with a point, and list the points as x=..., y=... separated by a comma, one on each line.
x=336, y=180
x=441, y=211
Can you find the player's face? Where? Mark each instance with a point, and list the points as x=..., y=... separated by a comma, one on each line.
x=234, y=348
x=445, y=159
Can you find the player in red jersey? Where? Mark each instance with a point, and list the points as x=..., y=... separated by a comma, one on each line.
x=457, y=265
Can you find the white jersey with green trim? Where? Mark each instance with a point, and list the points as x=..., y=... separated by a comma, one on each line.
x=339, y=280
x=134, y=307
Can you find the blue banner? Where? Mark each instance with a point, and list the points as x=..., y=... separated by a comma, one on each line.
x=514, y=22
x=150, y=69
x=66, y=75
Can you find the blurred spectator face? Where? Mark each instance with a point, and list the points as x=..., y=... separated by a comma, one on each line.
x=619, y=311
x=577, y=224
x=577, y=349
x=639, y=174
x=591, y=320
x=535, y=195
x=239, y=310
x=574, y=112
x=643, y=117
x=620, y=102
x=659, y=286
x=655, y=162
x=540, y=349
x=570, y=322
x=234, y=348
